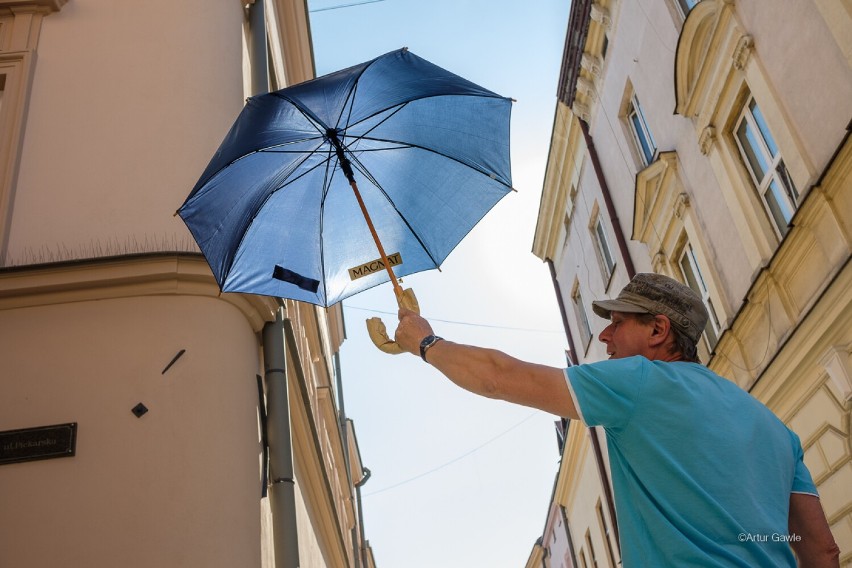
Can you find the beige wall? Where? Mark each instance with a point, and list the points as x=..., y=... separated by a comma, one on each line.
x=783, y=301
x=118, y=107
x=139, y=490
x=129, y=101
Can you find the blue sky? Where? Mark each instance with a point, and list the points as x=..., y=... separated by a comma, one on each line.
x=458, y=480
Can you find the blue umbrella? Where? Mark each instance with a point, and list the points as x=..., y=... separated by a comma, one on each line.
x=319, y=189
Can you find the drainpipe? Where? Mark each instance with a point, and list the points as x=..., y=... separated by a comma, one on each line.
x=607, y=196
x=631, y=272
x=344, y=436
x=561, y=301
x=358, y=486
x=282, y=493
x=257, y=47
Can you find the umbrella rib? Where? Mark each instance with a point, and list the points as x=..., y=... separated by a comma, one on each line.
x=447, y=156
x=274, y=147
x=376, y=183
x=285, y=183
x=382, y=121
x=423, y=98
x=326, y=185
x=306, y=112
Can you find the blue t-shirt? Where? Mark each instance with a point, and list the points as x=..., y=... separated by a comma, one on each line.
x=702, y=471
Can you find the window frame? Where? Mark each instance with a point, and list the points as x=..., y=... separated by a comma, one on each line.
x=603, y=249
x=17, y=71
x=582, y=317
x=643, y=138
x=591, y=548
x=713, y=330
x=685, y=7
x=775, y=188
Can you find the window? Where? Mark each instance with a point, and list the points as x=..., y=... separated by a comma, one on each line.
x=692, y=275
x=592, y=557
x=641, y=133
x=569, y=211
x=602, y=248
x=567, y=226
x=764, y=164
x=605, y=532
x=582, y=318
x=687, y=5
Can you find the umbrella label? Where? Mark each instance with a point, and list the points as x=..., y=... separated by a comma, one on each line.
x=374, y=266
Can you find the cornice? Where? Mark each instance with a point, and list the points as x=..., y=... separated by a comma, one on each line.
x=654, y=199
x=560, y=169
x=128, y=276
x=40, y=5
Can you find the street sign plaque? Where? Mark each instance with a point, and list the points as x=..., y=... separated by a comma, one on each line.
x=40, y=443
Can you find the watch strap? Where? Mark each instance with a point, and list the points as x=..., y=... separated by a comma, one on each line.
x=427, y=343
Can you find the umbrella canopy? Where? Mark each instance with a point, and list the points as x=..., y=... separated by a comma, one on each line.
x=274, y=212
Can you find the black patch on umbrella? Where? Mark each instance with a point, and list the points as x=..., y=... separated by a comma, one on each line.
x=302, y=282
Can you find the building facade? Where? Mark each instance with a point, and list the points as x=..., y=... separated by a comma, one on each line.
x=192, y=428
x=709, y=141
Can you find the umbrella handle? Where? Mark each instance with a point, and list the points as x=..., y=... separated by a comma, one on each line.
x=378, y=332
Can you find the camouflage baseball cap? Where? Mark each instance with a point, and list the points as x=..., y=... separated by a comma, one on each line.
x=649, y=293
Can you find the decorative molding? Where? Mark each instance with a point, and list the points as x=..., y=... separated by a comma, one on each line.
x=601, y=15
x=44, y=6
x=836, y=365
x=124, y=277
x=742, y=51
x=659, y=262
x=585, y=87
x=582, y=111
x=592, y=64
x=654, y=197
x=681, y=203
x=706, y=139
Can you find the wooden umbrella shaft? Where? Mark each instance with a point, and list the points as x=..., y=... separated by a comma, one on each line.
x=396, y=287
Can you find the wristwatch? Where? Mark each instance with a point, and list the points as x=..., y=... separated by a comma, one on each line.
x=427, y=343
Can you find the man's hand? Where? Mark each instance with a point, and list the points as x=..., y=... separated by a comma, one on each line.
x=411, y=330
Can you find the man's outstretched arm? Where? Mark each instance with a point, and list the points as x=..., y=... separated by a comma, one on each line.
x=488, y=372
x=814, y=544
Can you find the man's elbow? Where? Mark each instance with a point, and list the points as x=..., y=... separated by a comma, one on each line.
x=818, y=555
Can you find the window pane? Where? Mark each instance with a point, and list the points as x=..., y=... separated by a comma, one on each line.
x=753, y=152
x=712, y=325
x=603, y=246
x=645, y=125
x=787, y=182
x=689, y=274
x=687, y=5
x=778, y=206
x=639, y=125
x=695, y=280
x=645, y=146
x=582, y=319
x=764, y=130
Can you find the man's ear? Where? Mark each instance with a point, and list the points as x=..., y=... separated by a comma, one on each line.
x=661, y=330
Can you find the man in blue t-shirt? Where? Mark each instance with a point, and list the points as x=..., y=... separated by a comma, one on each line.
x=704, y=474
